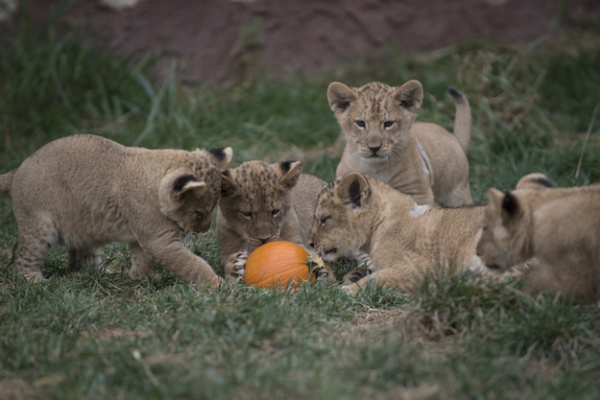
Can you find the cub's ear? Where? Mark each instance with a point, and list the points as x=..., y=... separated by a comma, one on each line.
x=534, y=180
x=409, y=96
x=340, y=96
x=184, y=183
x=221, y=157
x=503, y=204
x=494, y=199
x=510, y=205
x=288, y=172
x=354, y=189
x=228, y=186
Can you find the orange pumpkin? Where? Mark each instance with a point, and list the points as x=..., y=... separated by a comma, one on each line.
x=276, y=264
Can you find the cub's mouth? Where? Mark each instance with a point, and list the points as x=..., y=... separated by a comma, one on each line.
x=494, y=267
x=372, y=156
x=329, y=255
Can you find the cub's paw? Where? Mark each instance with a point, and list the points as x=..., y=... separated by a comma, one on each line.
x=355, y=275
x=364, y=260
x=350, y=288
x=320, y=269
x=34, y=277
x=234, y=267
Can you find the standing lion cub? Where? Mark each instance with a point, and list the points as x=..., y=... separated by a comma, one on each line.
x=358, y=214
x=559, y=227
x=383, y=141
x=85, y=191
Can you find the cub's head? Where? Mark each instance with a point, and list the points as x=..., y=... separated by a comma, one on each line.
x=256, y=199
x=505, y=240
x=190, y=190
x=376, y=119
x=343, y=217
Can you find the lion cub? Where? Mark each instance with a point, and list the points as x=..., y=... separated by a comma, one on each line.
x=357, y=214
x=559, y=227
x=420, y=159
x=85, y=191
x=262, y=203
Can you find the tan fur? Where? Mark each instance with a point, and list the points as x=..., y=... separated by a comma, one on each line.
x=420, y=159
x=84, y=191
x=559, y=227
x=279, y=202
x=6, y=183
x=357, y=213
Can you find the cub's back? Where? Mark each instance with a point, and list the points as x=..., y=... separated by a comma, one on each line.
x=75, y=168
x=570, y=221
x=305, y=195
x=448, y=159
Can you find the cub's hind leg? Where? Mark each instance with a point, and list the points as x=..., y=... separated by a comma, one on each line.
x=460, y=196
x=141, y=264
x=36, y=238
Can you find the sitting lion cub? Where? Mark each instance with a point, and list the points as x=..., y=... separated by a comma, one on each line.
x=420, y=159
x=357, y=214
x=85, y=191
x=559, y=227
x=262, y=203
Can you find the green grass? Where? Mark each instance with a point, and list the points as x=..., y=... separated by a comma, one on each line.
x=92, y=335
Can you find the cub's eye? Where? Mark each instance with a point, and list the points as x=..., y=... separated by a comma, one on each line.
x=275, y=212
x=199, y=214
x=246, y=213
x=360, y=123
x=388, y=124
x=323, y=220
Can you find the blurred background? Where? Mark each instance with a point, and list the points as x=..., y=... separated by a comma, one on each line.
x=213, y=38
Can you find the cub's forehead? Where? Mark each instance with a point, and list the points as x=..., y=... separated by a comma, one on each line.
x=375, y=89
x=327, y=195
x=253, y=174
x=204, y=170
x=375, y=97
x=258, y=184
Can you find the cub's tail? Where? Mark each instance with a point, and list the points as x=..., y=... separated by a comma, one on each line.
x=6, y=183
x=462, y=120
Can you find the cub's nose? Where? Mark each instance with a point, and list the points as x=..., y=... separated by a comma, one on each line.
x=312, y=244
x=374, y=149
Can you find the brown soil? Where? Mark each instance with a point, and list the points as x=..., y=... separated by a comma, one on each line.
x=290, y=36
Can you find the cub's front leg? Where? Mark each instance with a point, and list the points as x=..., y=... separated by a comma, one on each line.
x=141, y=264
x=168, y=250
x=367, y=267
x=402, y=275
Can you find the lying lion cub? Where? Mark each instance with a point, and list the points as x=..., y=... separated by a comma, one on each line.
x=420, y=159
x=357, y=214
x=85, y=191
x=262, y=203
x=559, y=227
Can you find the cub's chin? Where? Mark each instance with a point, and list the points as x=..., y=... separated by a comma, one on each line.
x=369, y=157
x=372, y=159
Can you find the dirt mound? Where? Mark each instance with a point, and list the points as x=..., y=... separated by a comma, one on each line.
x=288, y=36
